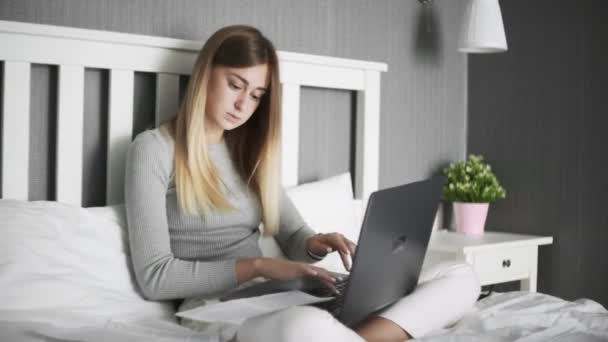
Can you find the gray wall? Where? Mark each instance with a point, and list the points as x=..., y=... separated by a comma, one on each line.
x=423, y=94
x=538, y=113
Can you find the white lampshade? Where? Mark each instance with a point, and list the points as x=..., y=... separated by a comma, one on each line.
x=482, y=29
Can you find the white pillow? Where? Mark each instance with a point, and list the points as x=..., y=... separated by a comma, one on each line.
x=55, y=256
x=328, y=206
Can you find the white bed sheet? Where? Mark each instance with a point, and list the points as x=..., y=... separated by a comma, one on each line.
x=510, y=316
x=528, y=317
x=37, y=326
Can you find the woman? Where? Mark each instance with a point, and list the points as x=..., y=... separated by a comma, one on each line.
x=198, y=187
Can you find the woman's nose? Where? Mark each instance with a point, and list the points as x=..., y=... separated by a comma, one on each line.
x=238, y=102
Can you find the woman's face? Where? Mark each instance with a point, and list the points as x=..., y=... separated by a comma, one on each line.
x=233, y=95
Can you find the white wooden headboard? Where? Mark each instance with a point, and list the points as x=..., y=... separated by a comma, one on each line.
x=71, y=49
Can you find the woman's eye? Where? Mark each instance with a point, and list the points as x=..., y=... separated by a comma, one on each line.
x=256, y=98
x=234, y=86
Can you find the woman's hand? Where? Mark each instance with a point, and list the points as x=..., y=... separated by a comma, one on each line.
x=281, y=269
x=322, y=244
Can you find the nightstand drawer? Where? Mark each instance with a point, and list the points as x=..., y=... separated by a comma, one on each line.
x=501, y=265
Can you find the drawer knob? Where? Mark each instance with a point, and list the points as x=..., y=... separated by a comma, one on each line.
x=506, y=263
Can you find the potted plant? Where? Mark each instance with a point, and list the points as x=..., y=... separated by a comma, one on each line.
x=471, y=186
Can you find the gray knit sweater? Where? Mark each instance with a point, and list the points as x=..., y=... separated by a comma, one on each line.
x=180, y=256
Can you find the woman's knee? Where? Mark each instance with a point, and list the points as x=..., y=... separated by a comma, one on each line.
x=459, y=275
x=303, y=320
x=464, y=280
x=296, y=324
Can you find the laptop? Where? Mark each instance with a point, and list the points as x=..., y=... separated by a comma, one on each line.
x=392, y=244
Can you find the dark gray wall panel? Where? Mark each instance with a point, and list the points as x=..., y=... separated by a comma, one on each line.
x=536, y=113
x=1, y=114
x=144, y=99
x=43, y=123
x=594, y=256
x=325, y=133
x=95, y=147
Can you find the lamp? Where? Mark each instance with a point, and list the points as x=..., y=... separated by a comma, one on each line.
x=482, y=29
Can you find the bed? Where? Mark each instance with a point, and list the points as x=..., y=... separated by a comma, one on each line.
x=64, y=269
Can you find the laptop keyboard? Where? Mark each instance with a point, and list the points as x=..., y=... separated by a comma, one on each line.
x=332, y=306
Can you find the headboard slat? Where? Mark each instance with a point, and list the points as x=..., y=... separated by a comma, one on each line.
x=16, y=130
x=368, y=120
x=336, y=77
x=290, y=138
x=70, y=123
x=120, y=130
x=167, y=96
x=94, y=54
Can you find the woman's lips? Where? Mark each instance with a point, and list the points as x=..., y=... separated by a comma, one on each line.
x=231, y=117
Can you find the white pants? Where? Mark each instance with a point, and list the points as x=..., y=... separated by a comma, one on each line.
x=445, y=292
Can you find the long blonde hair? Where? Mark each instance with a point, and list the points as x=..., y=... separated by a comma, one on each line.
x=254, y=146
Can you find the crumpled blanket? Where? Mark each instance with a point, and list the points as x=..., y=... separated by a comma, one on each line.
x=528, y=317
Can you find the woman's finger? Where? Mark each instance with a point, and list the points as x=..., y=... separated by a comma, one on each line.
x=322, y=247
x=337, y=241
x=331, y=286
x=327, y=279
x=323, y=274
x=342, y=242
x=316, y=272
x=311, y=271
x=351, y=246
x=342, y=247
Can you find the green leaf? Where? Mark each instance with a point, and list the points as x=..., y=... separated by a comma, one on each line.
x=472, y=181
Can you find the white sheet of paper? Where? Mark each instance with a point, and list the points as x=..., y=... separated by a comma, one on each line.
x=238, y=310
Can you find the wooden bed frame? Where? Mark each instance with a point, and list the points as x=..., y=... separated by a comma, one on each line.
x=73, y=50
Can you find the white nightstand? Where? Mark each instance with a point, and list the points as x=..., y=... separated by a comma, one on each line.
x=496, y=257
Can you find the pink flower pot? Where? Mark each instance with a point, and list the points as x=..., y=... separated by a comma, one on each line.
x=470, y=218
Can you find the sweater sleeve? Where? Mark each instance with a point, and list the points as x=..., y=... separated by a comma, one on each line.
x=293, y=231
x=159, y=273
